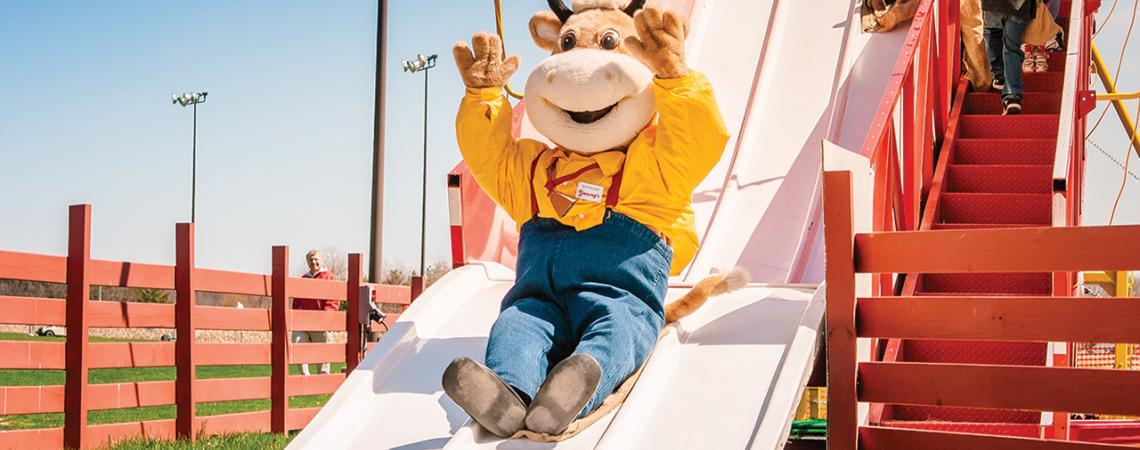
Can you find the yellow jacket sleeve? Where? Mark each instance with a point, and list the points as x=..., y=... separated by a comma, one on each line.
x=690, y=132
x=501, y=164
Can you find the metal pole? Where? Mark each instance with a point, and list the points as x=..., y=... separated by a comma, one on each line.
x=423, y=195
x=377, y=227
x=194, y=164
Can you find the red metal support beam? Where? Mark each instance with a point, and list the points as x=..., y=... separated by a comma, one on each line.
x=75, y=396
x=912, y=132
x=279, y=393
x=842, y=411
x=352, y=320
x=184, y=307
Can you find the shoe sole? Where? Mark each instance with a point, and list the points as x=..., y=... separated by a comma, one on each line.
x=1012, y=110
x=484, y=396
x=566, y=391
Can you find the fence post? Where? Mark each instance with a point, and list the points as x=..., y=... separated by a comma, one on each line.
x=417, y=286
x=184, y=326
x=842, y=408
x=78, y=294
x=352, y=317
x=279, y=397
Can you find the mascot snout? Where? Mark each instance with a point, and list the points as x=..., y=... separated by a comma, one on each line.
x=590, y=100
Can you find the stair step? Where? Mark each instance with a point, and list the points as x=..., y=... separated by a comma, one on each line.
x=1056, y=61
x=1024, y=429
x=1005, y=151
x=975, y=352
x=1022, y=126
x=1043, y=81
x=971, y=207
x=985, y=284
x=979, y=226
x=1000, y=178
x=1031, y=103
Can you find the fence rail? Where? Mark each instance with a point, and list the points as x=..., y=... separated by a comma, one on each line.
x=78, y=312
x=1033, y=319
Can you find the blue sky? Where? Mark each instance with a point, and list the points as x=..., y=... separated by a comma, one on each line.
x=284, y=141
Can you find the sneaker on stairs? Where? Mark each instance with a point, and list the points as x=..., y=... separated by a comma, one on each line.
x=1040, y=61
x=998, y=84
x=1012, y=105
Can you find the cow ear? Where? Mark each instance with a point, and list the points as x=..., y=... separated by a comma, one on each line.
x=544, y=29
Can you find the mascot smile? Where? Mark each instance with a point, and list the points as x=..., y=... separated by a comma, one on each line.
x=606, y=214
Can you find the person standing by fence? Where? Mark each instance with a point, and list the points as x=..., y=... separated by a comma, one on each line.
x=318, y=271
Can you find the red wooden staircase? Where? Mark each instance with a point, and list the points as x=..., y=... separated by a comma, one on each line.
x=978, y=292
x=998, y=174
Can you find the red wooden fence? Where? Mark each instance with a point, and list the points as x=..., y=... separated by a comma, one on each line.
x=79, y=313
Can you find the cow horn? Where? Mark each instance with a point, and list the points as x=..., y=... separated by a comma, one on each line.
x=634, y=6
x=560, y=9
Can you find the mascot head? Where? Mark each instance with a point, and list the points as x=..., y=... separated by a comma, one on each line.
x=590, y=95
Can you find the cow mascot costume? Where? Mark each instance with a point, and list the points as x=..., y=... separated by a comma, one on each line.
x=606, y=212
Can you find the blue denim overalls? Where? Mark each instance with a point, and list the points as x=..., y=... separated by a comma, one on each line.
x=599, y=291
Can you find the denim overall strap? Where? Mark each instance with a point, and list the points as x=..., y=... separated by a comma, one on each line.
x=611, y=193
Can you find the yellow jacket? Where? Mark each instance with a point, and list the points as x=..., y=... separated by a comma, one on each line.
x=663, y=164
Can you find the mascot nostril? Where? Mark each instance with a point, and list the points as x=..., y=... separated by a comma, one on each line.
x=605, y=214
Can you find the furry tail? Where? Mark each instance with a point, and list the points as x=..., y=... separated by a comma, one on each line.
x=709, y=286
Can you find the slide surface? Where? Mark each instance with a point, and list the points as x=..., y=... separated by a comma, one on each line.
x=788, y=74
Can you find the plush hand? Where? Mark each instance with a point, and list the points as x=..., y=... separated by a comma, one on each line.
x=660, y=42
x=486, y=68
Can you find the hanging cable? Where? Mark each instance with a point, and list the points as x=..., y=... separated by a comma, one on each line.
x=1119, y=64
x=503, y=40
x=1113, y=159
x=1106, y=18
x=1127, y=158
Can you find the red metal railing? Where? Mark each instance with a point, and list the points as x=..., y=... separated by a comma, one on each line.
x=917, y=116
x=1026, y=319
x=914, y=112
x=917, y=107
x=79, y=313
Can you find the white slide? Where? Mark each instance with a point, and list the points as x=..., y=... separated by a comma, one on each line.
x=788, y=75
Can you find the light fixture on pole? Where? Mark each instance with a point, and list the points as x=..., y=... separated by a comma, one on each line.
x=422, y=64
x=192, y=99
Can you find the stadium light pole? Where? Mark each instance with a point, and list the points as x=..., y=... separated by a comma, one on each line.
x=192, y=99
x=422, y=64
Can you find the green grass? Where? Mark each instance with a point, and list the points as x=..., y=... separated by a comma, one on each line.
x=225, y=441
x=20, y=377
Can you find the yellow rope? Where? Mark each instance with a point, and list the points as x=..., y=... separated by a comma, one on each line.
x=503, y=40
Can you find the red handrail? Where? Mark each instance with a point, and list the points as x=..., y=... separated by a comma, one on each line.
x=923, y=81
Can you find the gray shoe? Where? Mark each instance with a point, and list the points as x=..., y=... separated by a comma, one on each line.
x=568, y=388
x=485, y=396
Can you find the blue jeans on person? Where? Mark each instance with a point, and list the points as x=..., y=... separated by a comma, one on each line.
x=599, y=291
x=1054, y=7
x=1003, y=33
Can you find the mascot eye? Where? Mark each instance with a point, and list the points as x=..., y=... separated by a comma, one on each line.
x=569, y=41
x=609, y=40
